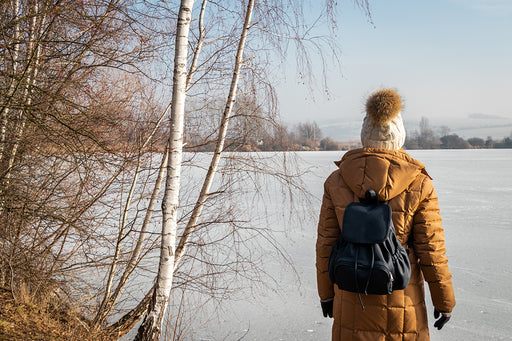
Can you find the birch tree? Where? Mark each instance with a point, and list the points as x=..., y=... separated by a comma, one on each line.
x=82, y=109
x=204, y=194
x=150, y=328
x=71, y=95
x=168, y=254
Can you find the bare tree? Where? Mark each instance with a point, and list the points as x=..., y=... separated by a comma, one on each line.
x=72, y=125
x=150, y=328
x=204, y=71
x=168, y=256
x=427, y=137
x=81, y=115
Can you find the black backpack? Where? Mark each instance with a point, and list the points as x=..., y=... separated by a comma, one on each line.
x=367, y=258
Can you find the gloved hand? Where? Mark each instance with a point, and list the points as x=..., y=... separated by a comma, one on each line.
x=327, y=306
x=445, y=317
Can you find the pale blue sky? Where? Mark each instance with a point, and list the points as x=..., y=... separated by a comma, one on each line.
x=448, y=59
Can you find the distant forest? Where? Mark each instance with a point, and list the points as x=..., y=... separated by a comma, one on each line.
x=261, y=135
x=251, y=133
x=303, y=138
x=427, y=138
x=308, y=136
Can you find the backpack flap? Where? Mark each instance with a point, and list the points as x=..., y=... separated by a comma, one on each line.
x=367, y=258
x=363, y=223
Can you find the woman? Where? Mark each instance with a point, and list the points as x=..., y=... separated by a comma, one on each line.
x=403, y=182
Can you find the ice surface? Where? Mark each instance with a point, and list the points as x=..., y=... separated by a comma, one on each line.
x=475, y=196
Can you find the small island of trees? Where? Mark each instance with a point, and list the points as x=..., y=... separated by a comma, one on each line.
x=427, y=138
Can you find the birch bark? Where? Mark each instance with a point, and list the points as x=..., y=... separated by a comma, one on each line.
x=226, y=115
x=37, y=22
x=151, y=326
x=4, y=111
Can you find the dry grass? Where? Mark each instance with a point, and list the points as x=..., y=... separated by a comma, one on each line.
x=29, y=321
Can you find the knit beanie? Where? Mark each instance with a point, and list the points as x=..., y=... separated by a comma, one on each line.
x=382, y=125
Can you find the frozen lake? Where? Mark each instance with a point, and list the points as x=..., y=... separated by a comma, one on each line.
x=475, y=194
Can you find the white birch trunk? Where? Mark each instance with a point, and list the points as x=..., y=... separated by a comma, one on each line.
x=32, y=69
x=105, y=303
x=10, y=93
x=151, y=326
x=226, y=115
x=110, y=299
x=105, y=310
x=199, y=45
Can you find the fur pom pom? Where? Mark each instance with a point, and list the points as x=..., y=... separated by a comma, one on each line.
x=383, y=105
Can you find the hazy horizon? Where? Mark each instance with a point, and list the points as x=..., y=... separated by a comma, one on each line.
x=344, y=131
x=449, y=60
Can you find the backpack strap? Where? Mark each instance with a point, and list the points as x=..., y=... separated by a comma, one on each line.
x=357, y=282
x=410, y=242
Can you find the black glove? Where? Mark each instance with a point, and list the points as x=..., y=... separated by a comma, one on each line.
x=445, y=317
x=327, y=306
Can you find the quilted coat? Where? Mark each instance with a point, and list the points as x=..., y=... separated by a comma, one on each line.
x=405, y=184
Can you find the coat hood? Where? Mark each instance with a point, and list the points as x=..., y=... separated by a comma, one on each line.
x=387, y=172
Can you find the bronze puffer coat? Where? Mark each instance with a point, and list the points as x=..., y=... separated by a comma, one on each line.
x=404, y=183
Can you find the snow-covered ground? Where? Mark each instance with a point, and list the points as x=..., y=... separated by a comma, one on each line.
x=475, y=193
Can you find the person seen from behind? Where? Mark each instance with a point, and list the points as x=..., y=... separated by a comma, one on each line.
x=405, y=185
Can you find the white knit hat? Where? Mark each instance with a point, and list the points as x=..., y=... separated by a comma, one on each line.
x=383, y=126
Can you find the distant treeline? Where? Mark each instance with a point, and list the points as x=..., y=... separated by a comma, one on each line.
x=454, y=141
x=252, y=134
x=427, y=138
x=309, y=137
x=256, y=135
